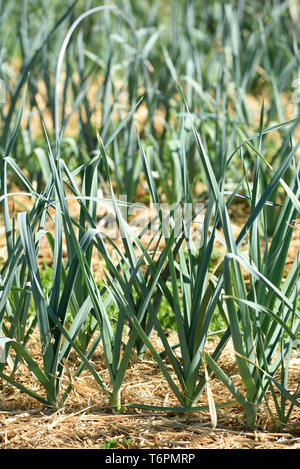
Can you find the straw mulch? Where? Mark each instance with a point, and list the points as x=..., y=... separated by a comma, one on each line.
x=87, y=422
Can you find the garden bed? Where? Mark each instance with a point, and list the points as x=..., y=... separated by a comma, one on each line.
x=86, y=420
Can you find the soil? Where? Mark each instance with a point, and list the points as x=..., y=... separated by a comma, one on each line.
x=86, y=421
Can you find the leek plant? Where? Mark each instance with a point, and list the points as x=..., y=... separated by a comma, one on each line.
x=258, y=315
x=263, y=319
x=21, y=278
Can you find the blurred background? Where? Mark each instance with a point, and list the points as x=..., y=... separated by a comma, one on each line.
x=228, y=57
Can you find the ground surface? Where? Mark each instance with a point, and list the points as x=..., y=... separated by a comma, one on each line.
x=86, y=421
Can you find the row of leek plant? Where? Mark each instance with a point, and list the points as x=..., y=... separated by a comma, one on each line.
x=141, y=49
x=262, y=318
